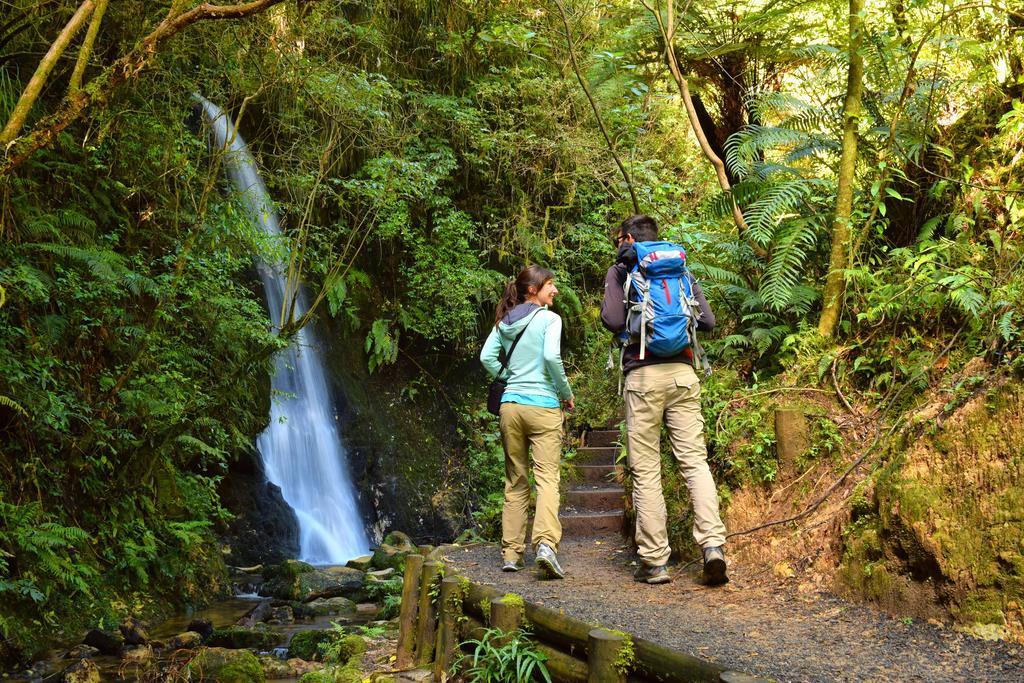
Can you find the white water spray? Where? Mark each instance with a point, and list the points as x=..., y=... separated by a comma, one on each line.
x=301, y=448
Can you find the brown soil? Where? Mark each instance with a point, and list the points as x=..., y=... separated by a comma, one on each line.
x=762, y=622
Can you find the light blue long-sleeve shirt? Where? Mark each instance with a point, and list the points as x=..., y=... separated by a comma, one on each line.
x=535, y=369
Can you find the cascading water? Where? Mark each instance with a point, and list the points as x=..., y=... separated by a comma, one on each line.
x=301, y=448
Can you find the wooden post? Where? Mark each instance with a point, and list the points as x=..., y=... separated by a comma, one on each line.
x=791, y=438
x=604, y=648
x=447, y=628
x=506, y=614
x=410, y=607
x=427, y=614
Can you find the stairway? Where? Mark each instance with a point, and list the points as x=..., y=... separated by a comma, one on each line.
x=593, y=506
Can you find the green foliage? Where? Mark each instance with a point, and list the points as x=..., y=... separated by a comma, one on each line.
x=387, y=593
x=500, y=657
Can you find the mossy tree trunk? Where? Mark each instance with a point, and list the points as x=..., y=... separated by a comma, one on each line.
x=35, y=84
x=835, y=284
x=86, y=50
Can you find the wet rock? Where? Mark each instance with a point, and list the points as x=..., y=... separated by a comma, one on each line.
x=280, y=615
x=400, y=540
x=203, y=627
x=107, y=642
x=361, y=563
x=381, y=574
x=81, y=652
x=135, y=631
x=185, y=641
x=82, y=671
x=259, y=613
x=274, y=668
x=42, y=670
x=264, y=528
x=329, y=582
x=238, y=638
x=367, y=609
x=221, y=665
x=339, y=606
x=141, y=655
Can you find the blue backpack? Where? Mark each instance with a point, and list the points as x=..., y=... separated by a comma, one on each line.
x=661, y=310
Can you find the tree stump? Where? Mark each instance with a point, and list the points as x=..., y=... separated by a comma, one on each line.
x=792, y=438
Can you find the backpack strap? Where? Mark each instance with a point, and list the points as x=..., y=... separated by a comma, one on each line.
x=508, y=354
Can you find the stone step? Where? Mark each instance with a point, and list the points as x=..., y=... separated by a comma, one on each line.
x=590, y=523
x=603, y=475
x=596, y=499
x=602, y=437
x=604, y=455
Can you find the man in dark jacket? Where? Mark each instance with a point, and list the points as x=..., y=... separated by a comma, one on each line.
x=663, y=390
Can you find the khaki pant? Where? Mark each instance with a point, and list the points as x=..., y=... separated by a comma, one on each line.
x=524, y=428
x=669, y=392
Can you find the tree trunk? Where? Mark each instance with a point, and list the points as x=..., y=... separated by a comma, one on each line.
x=35, y=85
x=835, y=284
x=667, y=29
x=86, y=50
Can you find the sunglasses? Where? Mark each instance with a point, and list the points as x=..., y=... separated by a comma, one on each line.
x=619, y=239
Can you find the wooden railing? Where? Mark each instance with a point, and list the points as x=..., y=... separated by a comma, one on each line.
x=439, y=611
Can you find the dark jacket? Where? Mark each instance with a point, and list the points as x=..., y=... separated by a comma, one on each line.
x=613, y=312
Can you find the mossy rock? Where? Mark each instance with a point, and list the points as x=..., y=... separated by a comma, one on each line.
x=281, y=581
x=349, y=673
x=388, y=556
x=221, y=665
x=323, y=607
x=317, y=677
x=351, y=646
x=306, y=644
x=241, y=638
x=362, y=563
x=330, y=582
x=289, y=569
x=400, y=540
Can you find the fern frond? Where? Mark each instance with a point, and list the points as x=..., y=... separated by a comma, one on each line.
x=102, y=263
x=781, y=199
x=785, y=268
x=13, y=405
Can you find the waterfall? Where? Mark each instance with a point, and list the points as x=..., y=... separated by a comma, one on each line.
x=301, y=447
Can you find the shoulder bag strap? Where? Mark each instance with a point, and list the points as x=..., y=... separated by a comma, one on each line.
x=508, y=354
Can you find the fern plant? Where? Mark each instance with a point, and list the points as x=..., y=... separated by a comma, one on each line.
x=501, y=657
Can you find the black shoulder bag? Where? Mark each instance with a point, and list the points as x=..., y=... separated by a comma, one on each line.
x=497, y=388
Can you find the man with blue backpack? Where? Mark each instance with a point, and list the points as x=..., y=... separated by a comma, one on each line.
x=655, y=308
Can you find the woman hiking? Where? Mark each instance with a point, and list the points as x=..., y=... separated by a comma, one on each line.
x=530, y=415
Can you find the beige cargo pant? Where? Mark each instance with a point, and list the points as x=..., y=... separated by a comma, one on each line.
x=668, y=392
x=526, y=428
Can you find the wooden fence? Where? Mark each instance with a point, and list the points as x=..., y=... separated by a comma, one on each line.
x=440, y=611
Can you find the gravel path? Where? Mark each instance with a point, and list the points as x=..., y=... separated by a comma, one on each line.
x=777, y=633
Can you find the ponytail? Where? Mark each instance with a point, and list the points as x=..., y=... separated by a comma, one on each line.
x=507, y=302
x=517, y=291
